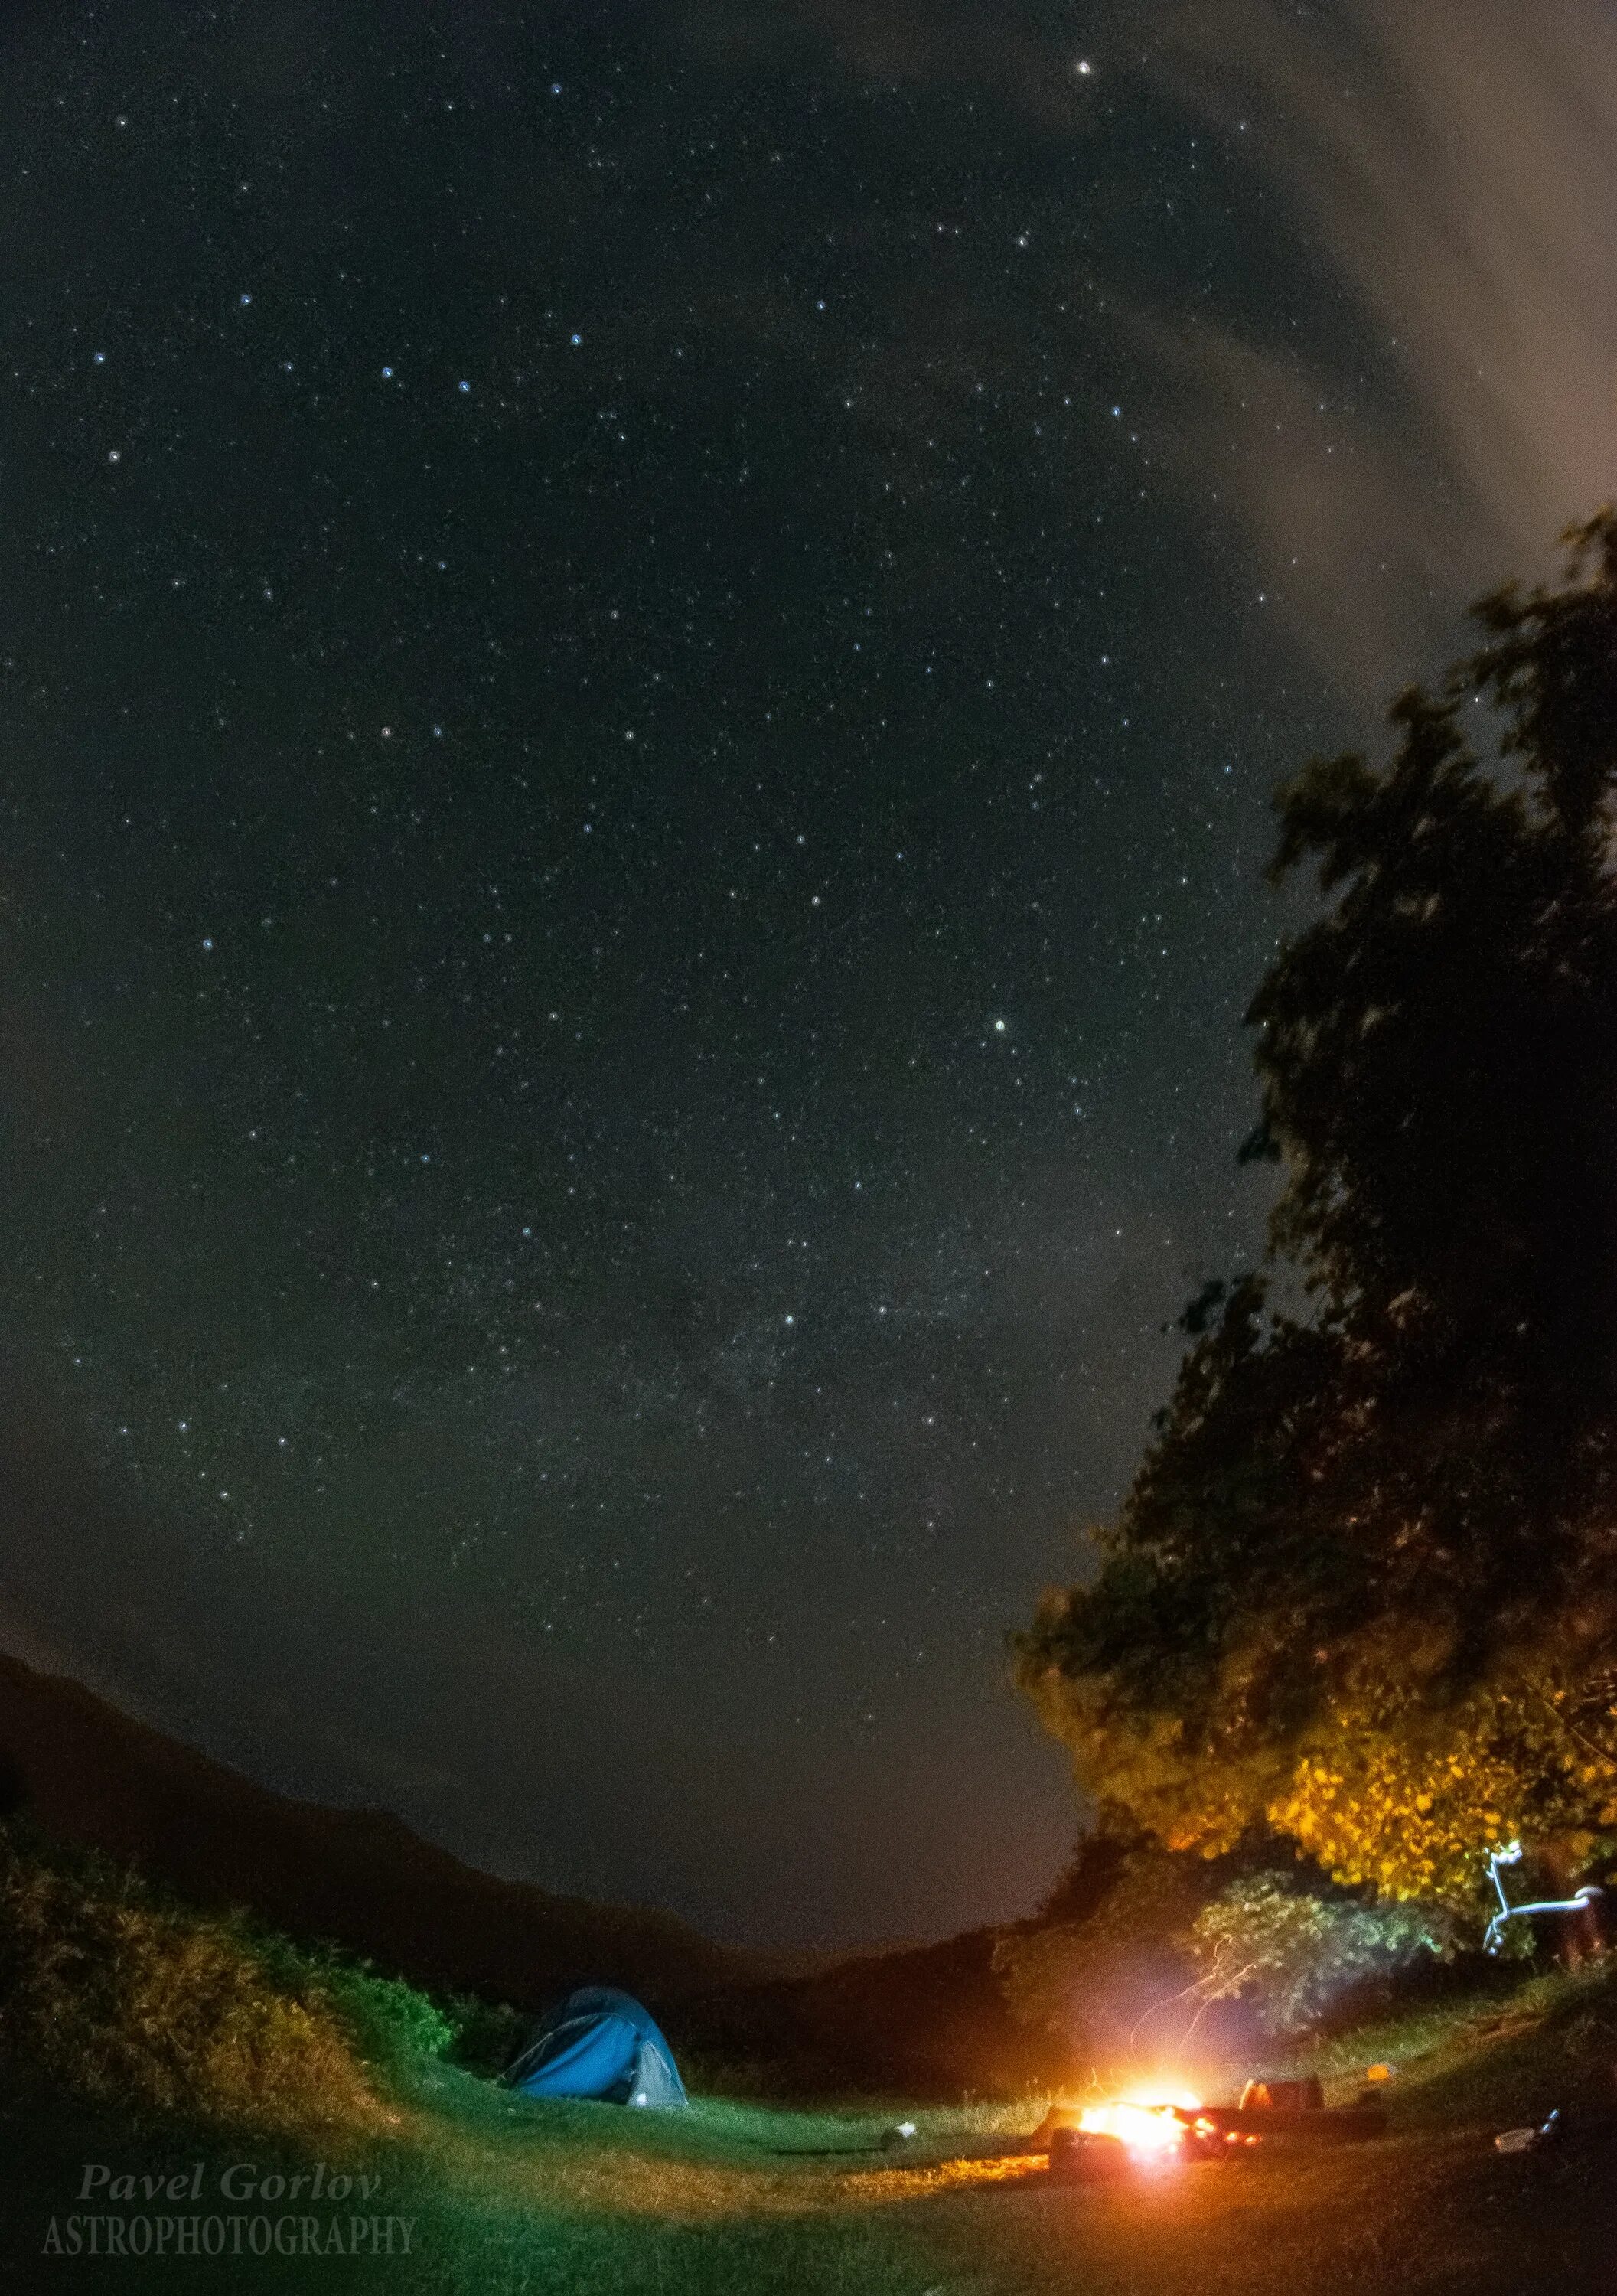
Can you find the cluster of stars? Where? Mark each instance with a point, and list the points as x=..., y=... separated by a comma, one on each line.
x=584, y=893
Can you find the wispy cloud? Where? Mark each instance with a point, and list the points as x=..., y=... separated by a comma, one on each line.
x=1455, y=164
x=1459, y=159
x=1358, y=547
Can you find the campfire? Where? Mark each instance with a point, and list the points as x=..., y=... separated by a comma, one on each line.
x=1149, y=2126
x=1152, y=2125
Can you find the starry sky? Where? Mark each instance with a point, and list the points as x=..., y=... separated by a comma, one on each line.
x=642, y=652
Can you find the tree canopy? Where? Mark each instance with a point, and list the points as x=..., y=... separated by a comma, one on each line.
x=1363, y=1590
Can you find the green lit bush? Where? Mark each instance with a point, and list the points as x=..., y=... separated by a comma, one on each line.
x=118, y=1994
x=1295, y=1953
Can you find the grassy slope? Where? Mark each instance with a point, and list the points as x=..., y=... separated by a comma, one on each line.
x=580, y=2201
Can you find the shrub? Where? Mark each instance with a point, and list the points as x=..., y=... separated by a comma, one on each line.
x=113, y=1990
x=393, y=2027
x=113, y=1994
x=1297, y=1952
x=486, y=2034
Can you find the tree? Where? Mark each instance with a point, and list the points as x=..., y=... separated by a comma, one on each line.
x=1364, y=1586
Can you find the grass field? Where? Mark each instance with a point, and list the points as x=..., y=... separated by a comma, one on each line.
x=503, y=2195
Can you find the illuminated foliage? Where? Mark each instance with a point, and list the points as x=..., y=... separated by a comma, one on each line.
x=1411, y=1803
x=1297, y=1953
x=1364, y=1586
x=123, y=1995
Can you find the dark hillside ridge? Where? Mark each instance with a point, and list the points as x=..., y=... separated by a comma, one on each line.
x=925, y=2021
x=361, y=1878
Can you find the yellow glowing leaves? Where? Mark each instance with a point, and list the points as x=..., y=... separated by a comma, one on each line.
x=1395, y=1784
x=1412, y=1801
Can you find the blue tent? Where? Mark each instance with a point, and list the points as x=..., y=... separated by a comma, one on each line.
x=598, y=2044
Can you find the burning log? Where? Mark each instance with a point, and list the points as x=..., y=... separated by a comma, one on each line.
x=1342, y=2124
x=1091, y=2143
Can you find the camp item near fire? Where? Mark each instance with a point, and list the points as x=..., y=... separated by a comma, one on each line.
x=1530, y=2140
x=1511, y=1854
x=1304, y=2096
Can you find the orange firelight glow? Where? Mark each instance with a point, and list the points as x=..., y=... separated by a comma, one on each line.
x=1147, y=2120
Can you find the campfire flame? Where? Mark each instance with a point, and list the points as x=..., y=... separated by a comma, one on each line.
x=1150, y=2123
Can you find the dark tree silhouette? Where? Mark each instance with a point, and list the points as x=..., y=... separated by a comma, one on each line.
x=14, y=1785
x=1364, y=1586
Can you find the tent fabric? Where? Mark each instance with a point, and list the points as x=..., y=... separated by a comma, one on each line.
x=599, y=2043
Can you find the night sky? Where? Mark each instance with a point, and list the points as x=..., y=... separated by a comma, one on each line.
x=641, y=653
